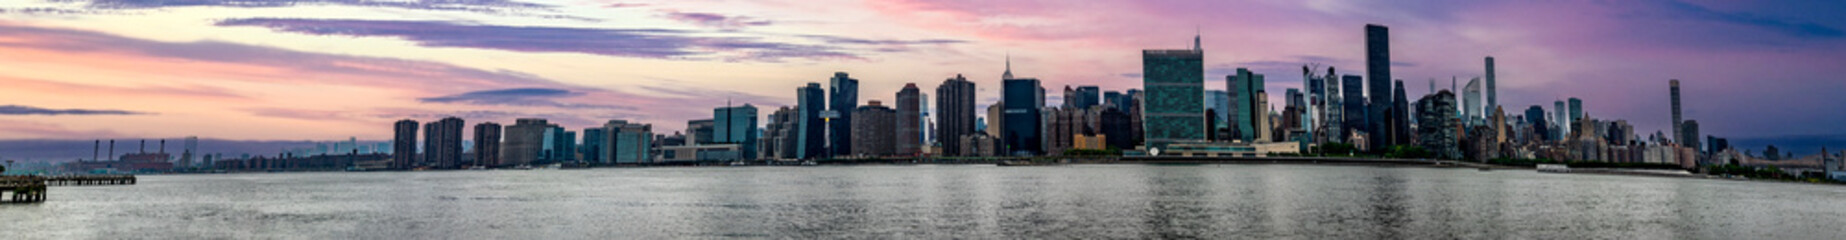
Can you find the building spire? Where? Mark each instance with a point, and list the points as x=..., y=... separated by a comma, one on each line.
x=1196, y=46
x=1009, y=67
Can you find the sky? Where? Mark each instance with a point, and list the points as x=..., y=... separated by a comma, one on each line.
x=334, y=69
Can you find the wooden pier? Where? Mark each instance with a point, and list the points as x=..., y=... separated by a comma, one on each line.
x=31, y=189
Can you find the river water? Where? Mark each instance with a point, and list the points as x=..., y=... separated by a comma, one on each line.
x=930, y=201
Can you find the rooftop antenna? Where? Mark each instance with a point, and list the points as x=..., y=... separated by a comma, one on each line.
x=1196, y=32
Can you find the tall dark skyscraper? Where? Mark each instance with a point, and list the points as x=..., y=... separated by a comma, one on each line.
x=487, y=144
x=1352, y=105
x=1400, y=115
x=909, y=114
x=1690, y=134
x=1576, y=110
x=954, y=113
x=1378, y=74
x=443, y=143
x=1023, y=99
x=1437, y=130
x=1673, y=88
x=811, y=132
x=1174, y=110
x=843, y=96
x=1492, y=95
x=403, y=144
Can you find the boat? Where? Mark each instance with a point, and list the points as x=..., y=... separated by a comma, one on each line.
x=737, y=163
x=809, y=163
x=1024, y=163
x=1553, y=168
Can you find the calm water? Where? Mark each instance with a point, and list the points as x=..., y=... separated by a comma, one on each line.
x=983, y=202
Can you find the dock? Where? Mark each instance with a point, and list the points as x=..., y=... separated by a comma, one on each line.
x=31, y=189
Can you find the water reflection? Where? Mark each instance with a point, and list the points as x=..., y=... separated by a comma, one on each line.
x=980, y=202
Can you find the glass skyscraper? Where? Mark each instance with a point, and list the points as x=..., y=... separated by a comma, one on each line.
x=1022, y=99
x=843, y=96
x=1174, y=110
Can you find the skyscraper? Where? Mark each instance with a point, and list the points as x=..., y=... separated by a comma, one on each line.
x=1689, y=131
x=1357, y=115
x=487, y=144
x=1174, y=110
x=1334, y=117
x=191, y=149
x=872, y=132
x=1244, y=107
x=1576, y=110
x=523, y=141
x=1400, y=115
x=1022, y=99
x=1471, y=102
x=955, y=113
x=442, y=145
x=909, y=128
x=843, y=96
x=811, y=133
x=1673, y=88
x=736, y=125
x=1560, y=118
x=1378, y=74
x=403, y=144
x=1492, y=100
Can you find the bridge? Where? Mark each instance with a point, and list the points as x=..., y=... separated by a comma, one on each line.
x=31, y=189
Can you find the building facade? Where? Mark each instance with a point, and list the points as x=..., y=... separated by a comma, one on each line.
x=487, y=144
x=909, y=116
x=843, y=98
x=1174, y=109
x=873, y=133
x=403, y=144
x=955, y=113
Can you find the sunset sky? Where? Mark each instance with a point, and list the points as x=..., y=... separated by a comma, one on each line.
x=332, y=69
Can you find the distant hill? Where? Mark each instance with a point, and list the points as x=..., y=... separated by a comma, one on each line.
x=1798, y=145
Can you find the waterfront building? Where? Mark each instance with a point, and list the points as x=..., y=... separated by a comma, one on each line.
x=1175, y=82
x=1023, y=99
x=778, y=139
x=1690, y=128
x=1244, y=107
x=403, y=144
x=1561, y=120
x=736, y=125
x=843, y=98
x=978, y=145
x=629, y=143
x=1400, y=116
x=1378, y=75
x=1333, y=117
x=872, y=131
x=523, y=141
x=593, y=140
x=1218, y=103
x=442, y=145
x=1437, y=128
x=810, y=130
x=487, y=144
x=909, y=121
x=955, y=113
x=1357, y=115
x=996, y=119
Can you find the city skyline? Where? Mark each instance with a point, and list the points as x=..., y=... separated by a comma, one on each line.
x=239, y=70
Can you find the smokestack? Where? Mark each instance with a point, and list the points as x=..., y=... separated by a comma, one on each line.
x=163, y=146
x=96, y=150
x=111, y=148
x=143, y=146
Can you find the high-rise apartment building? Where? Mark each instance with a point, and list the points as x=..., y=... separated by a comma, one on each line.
x=955, y=113
x=487, y=144
x=872, y=131
x=1492, y=95
x=594, y=138
x=1673, y=88
x=909, y=127
x=442, y=146
x=1471, y=103
x=403, y=144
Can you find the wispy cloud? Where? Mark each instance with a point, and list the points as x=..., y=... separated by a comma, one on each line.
x=30, y=110
x=640, y=43
x=714, y=20
x=545, y=97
